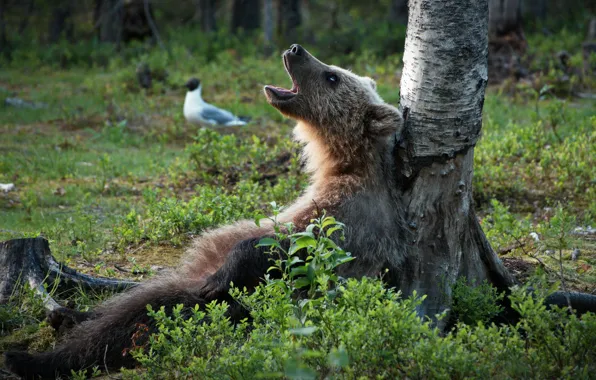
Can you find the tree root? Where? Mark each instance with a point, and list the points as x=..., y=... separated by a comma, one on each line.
x=29, y=261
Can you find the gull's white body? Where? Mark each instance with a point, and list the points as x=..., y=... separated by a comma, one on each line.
x=197, y=111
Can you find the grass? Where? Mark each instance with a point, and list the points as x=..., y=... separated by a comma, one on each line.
x=115, y=178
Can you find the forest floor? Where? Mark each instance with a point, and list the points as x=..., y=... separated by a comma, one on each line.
x=119, y=182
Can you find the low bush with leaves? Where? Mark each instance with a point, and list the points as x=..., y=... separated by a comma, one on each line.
x=350, y=329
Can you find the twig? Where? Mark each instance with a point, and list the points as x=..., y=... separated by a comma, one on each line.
x=137, y=249
x=105, y=363
x=522, y=245
x=542, y=263
x=121, y=269
x=562, y=275
x=510, y=248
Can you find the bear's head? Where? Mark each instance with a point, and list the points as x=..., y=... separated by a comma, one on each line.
x=340, y=115
x=331, y=99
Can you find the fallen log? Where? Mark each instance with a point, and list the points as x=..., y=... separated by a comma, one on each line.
x=29, y=261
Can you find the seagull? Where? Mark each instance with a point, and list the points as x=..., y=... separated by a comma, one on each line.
x=196, y=110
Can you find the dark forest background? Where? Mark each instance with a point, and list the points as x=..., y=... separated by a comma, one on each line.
x=71, y=32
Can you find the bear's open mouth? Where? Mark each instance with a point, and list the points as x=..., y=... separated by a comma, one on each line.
x=281, y=93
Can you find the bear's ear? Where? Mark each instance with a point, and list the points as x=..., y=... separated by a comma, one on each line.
x=383, y=120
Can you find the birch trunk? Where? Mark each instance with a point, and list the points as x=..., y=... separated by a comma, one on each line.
x=4, y=45
x=110, y=14
x=442, y=94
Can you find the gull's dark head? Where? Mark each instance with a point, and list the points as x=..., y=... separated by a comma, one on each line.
x=192, y=84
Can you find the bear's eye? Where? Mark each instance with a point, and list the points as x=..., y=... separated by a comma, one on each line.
x=332, y=78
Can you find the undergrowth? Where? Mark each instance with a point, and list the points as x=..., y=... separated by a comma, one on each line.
x=349, y=329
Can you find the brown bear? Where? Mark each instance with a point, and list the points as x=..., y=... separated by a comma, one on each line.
x=348, y=134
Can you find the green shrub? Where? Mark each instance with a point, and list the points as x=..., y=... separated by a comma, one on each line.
x=350, y=329
x=473, y=304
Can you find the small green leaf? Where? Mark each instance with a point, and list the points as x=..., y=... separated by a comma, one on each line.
x=303, y=242
x=268, y=242
x=328, y=221
x=302, y=282
x=295, y=260
x=298, y=271
x=332, y=230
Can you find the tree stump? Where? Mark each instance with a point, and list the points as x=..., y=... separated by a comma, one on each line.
x=29, y=261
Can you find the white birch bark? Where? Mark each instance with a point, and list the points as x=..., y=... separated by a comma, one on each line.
x=442, y=95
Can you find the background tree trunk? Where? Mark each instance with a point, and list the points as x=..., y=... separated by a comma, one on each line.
x=398, y=13
x=268, y=25
x=137, y=22
x=206, y=15
x=246, y=15
x=25, y=20
x=442, y=104
x=61, y=22
x=290, y=19
x=110, y=16
x=4, y=45
x=507, y=40
x=504, y=17
x=589, y=48
x=536, y=8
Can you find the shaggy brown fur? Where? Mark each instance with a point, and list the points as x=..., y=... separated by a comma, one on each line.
x=346, y=128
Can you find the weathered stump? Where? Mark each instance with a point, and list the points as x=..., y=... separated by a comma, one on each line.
x=29, y=261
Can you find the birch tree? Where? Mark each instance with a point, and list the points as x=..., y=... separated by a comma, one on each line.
x=442, y=95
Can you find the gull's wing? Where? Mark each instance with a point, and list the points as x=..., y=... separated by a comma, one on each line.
x=219, y=116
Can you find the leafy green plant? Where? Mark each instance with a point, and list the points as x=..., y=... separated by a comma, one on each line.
x=85, y=373
x=321, y=255
x=504, y=228
x=473, y=304
x=365, y=331
x=357, y=328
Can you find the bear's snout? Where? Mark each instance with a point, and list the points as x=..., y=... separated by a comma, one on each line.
x=297, y=50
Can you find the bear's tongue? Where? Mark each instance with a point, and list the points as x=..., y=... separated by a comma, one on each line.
x=283, y=93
